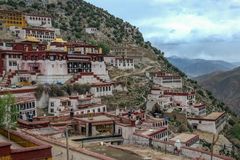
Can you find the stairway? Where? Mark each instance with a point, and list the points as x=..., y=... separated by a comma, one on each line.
x=6, y=81
x=78, y=76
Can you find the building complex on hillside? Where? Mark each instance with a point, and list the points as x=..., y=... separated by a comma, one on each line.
x=39, y=56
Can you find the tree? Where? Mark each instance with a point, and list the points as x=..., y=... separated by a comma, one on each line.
x=22, y=4
x=8, y=112
x=81, y=88
x=68, y=89
x=105, y=47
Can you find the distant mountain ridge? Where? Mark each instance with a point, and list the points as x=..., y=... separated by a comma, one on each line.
x=225, y=86
x=197, y=67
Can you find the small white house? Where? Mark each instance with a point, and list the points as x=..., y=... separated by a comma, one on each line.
x=101, y=89
x=213, y=123
x=26, y=104
x=39, y=21
x=78, y=104
x=167, y=80
x=199, y=109
x=91, y=30
x=122, y=63
x=186, y=139
x=181, y=98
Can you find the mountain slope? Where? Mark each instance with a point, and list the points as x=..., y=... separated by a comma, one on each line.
x=73, y=16
x=197, y=67
x=225, y=86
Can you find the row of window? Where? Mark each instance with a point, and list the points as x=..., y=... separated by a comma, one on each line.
x=39, y=18
x=161, y=135
x=125, y=61
x=13, y=22
x=51, y=58
x=37, y=33
x=25, y=106
x=124, y=64
x=160, y=124
x=103, y=89
x=12, y=63
x=18, y=18
x=79, y=65
x=78, y=70
x=10, y=14
x=82, y=112
x=14, y=56
x=171, y=81
x=28, y=113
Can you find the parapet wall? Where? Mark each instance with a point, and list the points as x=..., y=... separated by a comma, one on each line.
x=31, y=149
x=169, y=147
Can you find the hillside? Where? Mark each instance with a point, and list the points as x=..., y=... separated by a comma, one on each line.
x=72, y=16
x=225, y=86
x=197, y=67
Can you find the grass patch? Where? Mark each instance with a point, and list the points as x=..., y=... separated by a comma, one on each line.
x=235, y=131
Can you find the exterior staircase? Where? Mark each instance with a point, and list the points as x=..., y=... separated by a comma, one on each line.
x=6, y=80
x=78, y=76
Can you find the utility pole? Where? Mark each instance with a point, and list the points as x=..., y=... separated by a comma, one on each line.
x=67, y=145
x=214, y=141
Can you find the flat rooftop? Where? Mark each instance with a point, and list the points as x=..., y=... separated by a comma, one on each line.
x=211, y=117
x=96, y=118
x=184, y=137
x=151, y=132
x=214, y=115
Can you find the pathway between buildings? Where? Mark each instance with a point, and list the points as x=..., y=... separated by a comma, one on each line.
x=133, y=73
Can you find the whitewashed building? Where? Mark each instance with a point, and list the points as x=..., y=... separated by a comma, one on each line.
x=26, y=105
x=213, y=123
x=40, y=33
x=167, y=80
x=82, y=104
x=181, y=98
x=39, y=21
x=199, y=109
x=186, y=139
x=91, y=30
x=101, y=89
x=122, y=63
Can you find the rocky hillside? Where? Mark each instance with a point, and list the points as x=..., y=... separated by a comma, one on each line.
x=225, y=86
x=198, y=67
x=72, y=16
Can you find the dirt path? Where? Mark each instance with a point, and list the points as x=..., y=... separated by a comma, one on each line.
x=133, y=73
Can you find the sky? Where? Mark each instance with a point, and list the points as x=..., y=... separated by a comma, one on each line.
x=208, y=29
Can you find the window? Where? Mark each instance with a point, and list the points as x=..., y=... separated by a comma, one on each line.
x=52, y=110
x=33, y=104
x=99, y=110
x=52, y=104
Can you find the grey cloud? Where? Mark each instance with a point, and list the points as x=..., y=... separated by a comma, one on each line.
x=192, y=28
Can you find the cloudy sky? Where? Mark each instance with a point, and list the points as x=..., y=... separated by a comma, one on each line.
x=208, y=29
